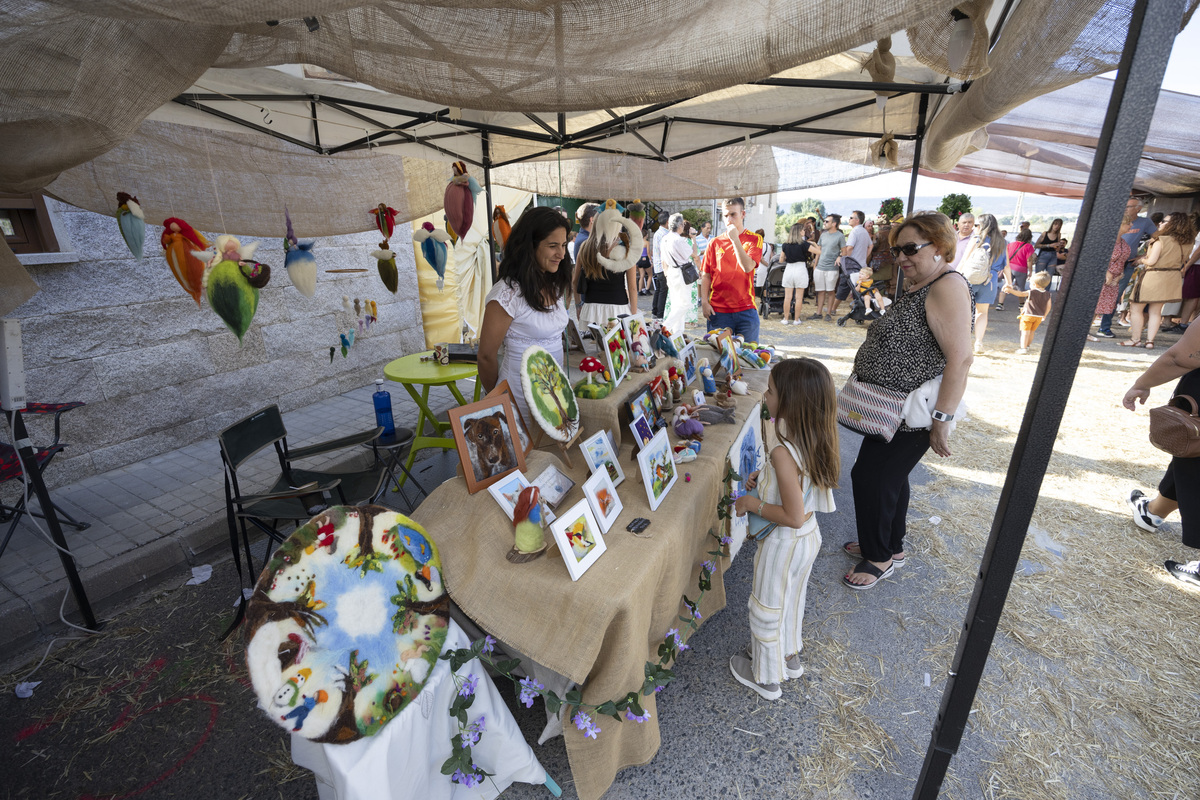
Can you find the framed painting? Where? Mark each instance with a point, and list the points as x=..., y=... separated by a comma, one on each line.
x=658, y=469
x=548, y=393
x=688, y=356
x=485, y=434
x=636, y=333
x=602, y=497
x=642, y=432
x=553, y=485
x=658, y=392
x=506, y=491
x=601, y=456
x=642, y=405
x=678, y=342
x=579, y=539
x=522, y=430
x=746, y=455
x=574, y=340
x=613, y=351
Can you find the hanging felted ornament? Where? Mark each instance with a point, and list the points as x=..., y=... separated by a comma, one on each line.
x=230, y=294
x=387, y=267
x=433, y=249
x=459, y=200
x=299, y=260
x=132, y=223
x=885, y=152
x=179, y=242
x=347, y=342
x=449, y=231
x=385, y=220
x=618, y=239
x=881, y=66
x=500, y=225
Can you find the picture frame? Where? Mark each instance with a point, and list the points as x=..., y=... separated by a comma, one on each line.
x=601, y=456
x=641, y=403
x=658, y=468
x=689, y=358
x=553, y=484
x=486, y=438
x=636, y=332
x=746, y=454
x=506, y=490
x=579, y=538
x=603, y=498
x=642, y=432
x=658, y=392
x=616, y=359
x=574, y=339
x=522, y=428
x=678, y=342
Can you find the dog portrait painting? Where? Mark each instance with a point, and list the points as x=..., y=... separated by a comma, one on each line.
x=485, y=434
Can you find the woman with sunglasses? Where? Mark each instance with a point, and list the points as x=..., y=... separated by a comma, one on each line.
x=925, y=334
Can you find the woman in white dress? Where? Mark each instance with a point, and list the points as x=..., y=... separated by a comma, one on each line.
x=526, y=306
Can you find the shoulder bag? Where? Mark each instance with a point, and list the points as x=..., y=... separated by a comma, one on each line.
x=976, y=265
x=1175, y=427
x=874, y=411
x=688, y=271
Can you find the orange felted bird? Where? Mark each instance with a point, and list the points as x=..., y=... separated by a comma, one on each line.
x=500, y=225
x=179, y=240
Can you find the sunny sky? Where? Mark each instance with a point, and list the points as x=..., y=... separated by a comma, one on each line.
x=1182, y=70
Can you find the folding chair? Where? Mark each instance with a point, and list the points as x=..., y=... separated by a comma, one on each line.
x=296, y=495
x=10, y=469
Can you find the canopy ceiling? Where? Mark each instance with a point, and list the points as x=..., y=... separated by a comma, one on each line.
x=200, y=107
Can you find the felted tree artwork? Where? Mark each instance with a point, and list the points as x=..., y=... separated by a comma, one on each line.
x=550, y=398
x=346, y=623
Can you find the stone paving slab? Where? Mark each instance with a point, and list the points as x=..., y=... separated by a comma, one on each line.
x=153, y=520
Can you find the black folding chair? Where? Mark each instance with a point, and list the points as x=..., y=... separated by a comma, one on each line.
x=296, y=495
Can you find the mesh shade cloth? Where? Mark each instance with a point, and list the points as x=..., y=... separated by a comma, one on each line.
x=930, y=40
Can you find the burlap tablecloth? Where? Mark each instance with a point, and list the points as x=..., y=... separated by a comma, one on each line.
x=600, y=630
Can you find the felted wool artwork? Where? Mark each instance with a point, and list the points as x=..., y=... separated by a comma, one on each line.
x=549, y=394
x=231, y=296
x=346, y=623
x=180, y=242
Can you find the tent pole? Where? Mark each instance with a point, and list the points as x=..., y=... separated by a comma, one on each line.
x=1130, y=107
x=922, y=109
x=485, y=147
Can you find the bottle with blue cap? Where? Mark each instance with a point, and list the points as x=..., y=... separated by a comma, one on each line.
x=383, y=409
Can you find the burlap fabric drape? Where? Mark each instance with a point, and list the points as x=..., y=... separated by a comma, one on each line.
x=600, y=630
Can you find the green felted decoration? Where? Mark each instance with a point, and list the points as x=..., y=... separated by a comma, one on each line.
x=231, y=296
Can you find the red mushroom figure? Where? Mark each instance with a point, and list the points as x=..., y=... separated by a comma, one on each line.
x=587, y=387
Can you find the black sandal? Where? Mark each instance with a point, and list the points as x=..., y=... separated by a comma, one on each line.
x=867, y=568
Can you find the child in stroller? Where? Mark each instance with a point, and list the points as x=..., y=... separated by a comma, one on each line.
x=772, y=293
x=866, y=302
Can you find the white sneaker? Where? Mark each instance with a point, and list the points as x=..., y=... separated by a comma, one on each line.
x=1022, y=351
x=743, y=673
x=1138, y=501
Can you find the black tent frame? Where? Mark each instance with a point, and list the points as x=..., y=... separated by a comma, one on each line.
x=1131, y=105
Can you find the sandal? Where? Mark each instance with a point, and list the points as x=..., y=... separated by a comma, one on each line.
x=1132, y=343
x=867, y=568
x=897, y=558
x=1149, y=345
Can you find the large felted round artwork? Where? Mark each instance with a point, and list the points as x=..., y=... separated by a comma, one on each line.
x=550, y=398
x=346, y=623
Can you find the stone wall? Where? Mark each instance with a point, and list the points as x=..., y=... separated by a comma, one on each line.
x=157, y=373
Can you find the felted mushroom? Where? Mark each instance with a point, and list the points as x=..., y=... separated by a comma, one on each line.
x=590, y=366
x=588, y=389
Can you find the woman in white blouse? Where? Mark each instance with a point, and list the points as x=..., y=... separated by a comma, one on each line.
x=526, y=306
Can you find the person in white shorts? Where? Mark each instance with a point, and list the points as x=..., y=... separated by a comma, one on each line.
x=796, y=253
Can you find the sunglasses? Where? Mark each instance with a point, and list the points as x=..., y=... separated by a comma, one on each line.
x=909, y=249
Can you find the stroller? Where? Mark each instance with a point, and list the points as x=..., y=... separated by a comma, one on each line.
x=860, y=304
x=772, y=292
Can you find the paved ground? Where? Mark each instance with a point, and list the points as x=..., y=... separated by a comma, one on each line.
x=155, y=708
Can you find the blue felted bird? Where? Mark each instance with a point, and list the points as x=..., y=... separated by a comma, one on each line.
x=132, y=223
x=433, y=249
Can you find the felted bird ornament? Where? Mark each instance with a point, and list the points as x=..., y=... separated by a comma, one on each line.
x=433, y=250
x=230, y=293
x=529, y=534
x=132, y=223
x=739, y=387
x=501, y=227
x=385, y=220
x=180, y=242
x=459, y=200
x=685, y=426
x=387, y=267
x=618, y=239
x=299, y=260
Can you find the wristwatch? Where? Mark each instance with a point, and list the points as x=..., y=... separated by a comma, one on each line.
x=941, y=416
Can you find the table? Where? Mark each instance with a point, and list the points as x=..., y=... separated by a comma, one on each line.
x=600, y=630
x=410, y=371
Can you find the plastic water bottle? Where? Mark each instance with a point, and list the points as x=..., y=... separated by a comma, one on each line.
x=383, y=409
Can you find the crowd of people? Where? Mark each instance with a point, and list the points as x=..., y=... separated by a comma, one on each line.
x=921, y=346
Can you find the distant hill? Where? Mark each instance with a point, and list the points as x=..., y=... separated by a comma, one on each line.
x=996, y=204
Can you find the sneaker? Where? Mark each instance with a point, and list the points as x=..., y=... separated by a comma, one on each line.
x=1188, y=573
x=829, y=317
x=792, y=668
x=816, y=315
x=1020, y=351
x=1106, y=334
x=1141, y=517
x=978, y=348
x=743, y=673
x=999, y=306
x=1123, y=323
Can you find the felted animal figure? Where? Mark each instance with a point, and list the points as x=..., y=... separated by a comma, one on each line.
x=488, y=445
x=529, y=534
x=301, y=712
x=739, y=387
x=685, y=426
x=387, y=267
x=501, y=227
x=385, y=220
x=710, y=415
x=433, y=250
x=132, y=223
x=619, y=239
x=459, y=200
x=179, y=243
x=661, y=342
x=299, y=260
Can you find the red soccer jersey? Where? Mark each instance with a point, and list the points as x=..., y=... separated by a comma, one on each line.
x=732, y=287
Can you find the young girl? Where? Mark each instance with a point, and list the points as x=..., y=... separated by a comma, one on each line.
x=801, y=471
x=1036, y=309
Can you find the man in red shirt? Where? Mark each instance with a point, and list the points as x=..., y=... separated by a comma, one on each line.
x=727, y=275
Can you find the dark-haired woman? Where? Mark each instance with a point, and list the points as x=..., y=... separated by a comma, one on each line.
x=526, y=307
x=1048, y=246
